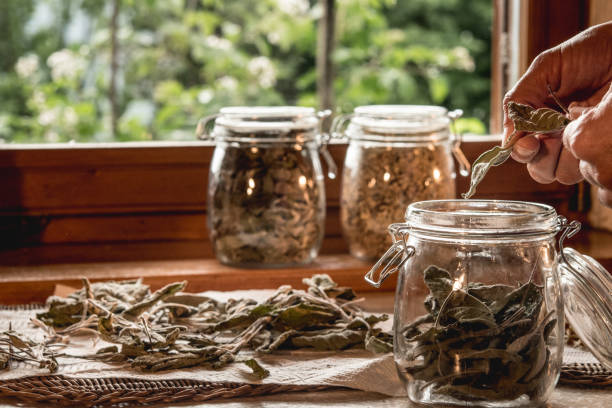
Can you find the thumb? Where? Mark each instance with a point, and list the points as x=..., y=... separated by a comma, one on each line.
x=575, y=111
x=587, y=137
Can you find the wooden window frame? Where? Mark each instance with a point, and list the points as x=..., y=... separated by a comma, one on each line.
x=522, y=29
x=147, y=201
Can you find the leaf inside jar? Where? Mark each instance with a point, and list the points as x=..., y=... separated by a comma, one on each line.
x=480, y=342
x=267, y=205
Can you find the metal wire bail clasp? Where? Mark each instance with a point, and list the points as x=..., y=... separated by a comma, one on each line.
x=394, y=258
x=332, y=169
x=567, y=230
x=464, y=164
x=338, y=125
x=202, y=129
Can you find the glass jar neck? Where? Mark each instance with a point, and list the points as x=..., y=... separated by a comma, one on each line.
x=493, y=220
x=358, y=134
x=291, y=137
x=399, y=123
x=283, y=124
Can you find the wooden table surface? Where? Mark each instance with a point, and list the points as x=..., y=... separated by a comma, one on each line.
x=563, y=397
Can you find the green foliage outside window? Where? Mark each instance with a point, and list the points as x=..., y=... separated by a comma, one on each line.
x=181, y=59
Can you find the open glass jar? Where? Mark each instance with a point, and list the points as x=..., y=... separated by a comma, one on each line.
x=266, y=193
x=480, y=298
x=397, y=154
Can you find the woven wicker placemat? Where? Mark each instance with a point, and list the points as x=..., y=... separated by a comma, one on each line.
x=592, y=375
x=106, y=392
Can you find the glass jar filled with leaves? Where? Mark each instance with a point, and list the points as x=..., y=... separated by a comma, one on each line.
x=266, y=193
x=480, y=298
x=397, y=154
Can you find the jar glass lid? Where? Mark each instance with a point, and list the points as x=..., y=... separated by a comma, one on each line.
x=587, y=293
x=398, y=119
x=488, y=219
x=245, y=119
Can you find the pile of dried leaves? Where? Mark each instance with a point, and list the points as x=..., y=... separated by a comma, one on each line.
x=480, y=342
x=169, y=330
x=14, y=347
x=267, y=204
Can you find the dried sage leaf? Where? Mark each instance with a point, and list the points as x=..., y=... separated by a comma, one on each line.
x=302, y=315
x=258, y=370
x=541, y=120
x=165, y=292
x=525, y=119
x=481, y=166
x=16, y=347
x=496, y=334
x=378, y=345
x=17, y=342
x=330, y=340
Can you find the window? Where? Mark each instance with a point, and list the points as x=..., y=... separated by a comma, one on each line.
x=131, y=201
x=116, y=70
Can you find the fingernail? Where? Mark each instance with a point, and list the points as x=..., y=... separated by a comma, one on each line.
x=577, y=111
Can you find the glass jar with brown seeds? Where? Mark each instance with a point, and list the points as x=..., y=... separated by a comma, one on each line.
x=397, y=154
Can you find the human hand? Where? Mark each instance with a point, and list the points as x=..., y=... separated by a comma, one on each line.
x=589, y=140
x=578, y=71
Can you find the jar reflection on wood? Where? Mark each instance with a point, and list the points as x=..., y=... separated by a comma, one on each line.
x=266, y=194
x=478, y=311
x=396, y=155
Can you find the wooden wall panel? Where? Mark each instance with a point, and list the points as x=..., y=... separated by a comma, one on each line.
x=106, y=188
x=122, y=251
x=91, y=228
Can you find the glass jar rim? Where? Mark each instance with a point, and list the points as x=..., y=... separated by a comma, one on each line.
x=273, y=119
x=410, y=122
x=267, y=111
x=406, y=112
x=482, y=218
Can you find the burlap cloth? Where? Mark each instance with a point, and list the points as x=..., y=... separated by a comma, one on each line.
x=356, y=369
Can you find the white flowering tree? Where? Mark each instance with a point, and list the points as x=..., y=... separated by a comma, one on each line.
x=176, y=60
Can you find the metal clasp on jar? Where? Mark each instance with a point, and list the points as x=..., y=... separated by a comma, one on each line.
x=338, y=125
x=567, y=230
x=332, y=169
x=202, y=129
x=394, y=258
x=457, y=138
